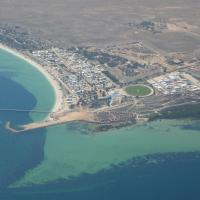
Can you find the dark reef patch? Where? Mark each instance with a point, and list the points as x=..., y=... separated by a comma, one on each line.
x=142, y=178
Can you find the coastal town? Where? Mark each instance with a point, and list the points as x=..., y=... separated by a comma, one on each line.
x=113, y=86
x=99, y=99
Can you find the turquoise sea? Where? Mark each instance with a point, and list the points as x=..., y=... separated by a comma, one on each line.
x=159, y=160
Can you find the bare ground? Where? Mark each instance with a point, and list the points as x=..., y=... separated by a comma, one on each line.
x=103, y=22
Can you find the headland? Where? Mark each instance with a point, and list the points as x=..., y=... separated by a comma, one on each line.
x=112, y=86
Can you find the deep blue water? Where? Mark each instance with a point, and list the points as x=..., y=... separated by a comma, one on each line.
x=18, y=153
x=171, y=177
x=174, y=177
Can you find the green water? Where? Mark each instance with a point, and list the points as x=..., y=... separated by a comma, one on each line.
x=31, y=79
x=69, y=153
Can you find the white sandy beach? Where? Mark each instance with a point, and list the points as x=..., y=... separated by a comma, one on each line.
x=57, y=89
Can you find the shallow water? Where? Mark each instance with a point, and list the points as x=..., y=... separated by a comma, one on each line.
x=69, y=153
x=71, y=161
x=30, y=79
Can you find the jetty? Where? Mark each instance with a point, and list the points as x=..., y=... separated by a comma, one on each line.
x=55, y=120
x=24, y=110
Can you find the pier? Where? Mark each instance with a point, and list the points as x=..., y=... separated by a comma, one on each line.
x=66, y=117
x=24, y=110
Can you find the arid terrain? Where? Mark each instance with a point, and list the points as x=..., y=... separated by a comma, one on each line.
x=94, y=49
x=103, y=22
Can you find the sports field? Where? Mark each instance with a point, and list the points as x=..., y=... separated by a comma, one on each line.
x=138, y=90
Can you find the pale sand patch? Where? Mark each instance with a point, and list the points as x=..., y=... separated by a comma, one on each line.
x=71, y=116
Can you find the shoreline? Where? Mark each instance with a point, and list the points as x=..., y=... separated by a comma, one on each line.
x=54, y=84
x=69, y=117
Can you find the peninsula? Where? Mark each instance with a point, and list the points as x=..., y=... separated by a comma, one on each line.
x=111, y=86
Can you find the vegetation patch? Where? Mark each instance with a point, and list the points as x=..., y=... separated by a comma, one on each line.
x=139, y=90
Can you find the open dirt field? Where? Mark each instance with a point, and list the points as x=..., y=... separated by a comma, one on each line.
x=103, y=22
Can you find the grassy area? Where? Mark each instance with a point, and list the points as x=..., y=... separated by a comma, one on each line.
x=138, y=90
